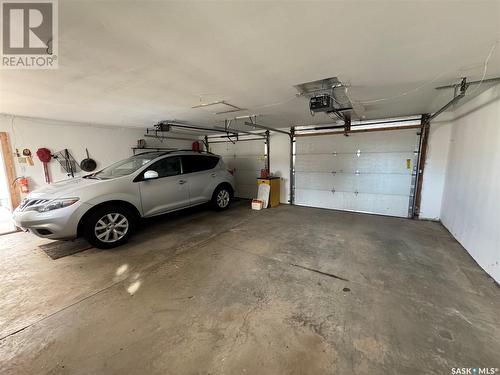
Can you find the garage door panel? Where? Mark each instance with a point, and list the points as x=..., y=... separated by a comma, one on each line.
x=250, y=163
x=386, y=141
x=366, y=163
x=365, y=172
x=238, y=148
x=391, y=205
x=247, y=178
x=319, y=198
x=385, y=204
x=246, y=191
x=369, y=183
x=246, y=159
x=383, y=184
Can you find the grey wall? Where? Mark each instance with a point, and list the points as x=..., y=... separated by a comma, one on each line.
x=435, y=168
x=471, y=199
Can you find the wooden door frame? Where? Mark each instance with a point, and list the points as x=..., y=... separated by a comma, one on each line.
x=9, y=169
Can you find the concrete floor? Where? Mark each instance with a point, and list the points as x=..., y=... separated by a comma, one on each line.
x=229, y=293
x=6, y=223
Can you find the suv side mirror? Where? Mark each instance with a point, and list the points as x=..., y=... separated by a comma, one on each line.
x=149, y=175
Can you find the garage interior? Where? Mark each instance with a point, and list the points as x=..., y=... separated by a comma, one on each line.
x=383, y=255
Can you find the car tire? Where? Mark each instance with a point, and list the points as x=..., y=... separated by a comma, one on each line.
x=109, y=226
x=221, y=199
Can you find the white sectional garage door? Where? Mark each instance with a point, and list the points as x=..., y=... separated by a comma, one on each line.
x=247, y=158
x=364, y=172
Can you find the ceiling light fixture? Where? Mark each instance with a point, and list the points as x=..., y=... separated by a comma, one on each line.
x=230, y=107
x=201, y=105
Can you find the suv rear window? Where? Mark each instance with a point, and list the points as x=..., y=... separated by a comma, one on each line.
x=197, y=163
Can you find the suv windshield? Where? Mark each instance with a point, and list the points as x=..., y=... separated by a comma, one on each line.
x=125, y=167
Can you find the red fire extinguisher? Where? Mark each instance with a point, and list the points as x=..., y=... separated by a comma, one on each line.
x=23, y=184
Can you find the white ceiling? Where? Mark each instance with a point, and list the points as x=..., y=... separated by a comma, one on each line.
x=134, y=63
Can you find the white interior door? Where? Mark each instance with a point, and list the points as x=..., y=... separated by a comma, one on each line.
x=247, y=158
x=364, y=172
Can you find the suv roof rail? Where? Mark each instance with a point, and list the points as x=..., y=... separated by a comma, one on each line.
x=199, y=151
x=166, y=152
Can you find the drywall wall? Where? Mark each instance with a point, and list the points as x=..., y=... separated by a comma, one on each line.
x=435, y=168
x=105, y=144
x=471, y=199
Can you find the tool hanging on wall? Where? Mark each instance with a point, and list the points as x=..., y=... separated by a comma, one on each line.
x=67, y=161
x=88, y=164
x=27, y=156
x=44, y=155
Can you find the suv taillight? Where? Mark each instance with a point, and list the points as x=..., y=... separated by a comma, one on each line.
x=231, y=171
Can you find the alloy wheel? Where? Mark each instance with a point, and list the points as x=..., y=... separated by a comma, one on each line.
x=223, y=198
x=111, y=227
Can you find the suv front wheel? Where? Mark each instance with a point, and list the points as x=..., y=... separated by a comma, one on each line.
x=221, y=198
x=109, y=226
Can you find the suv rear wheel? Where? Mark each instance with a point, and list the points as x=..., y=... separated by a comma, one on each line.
x=109, y=226
x=221, y=198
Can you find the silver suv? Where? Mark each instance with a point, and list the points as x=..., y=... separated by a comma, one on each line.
x=105, y=206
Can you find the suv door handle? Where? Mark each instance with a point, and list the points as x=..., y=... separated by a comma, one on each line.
x=181, y=182
x=213, y=174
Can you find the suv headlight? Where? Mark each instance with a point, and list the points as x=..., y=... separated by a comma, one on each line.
x=56, y=204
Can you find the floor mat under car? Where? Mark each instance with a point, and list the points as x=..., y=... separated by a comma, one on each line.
x=59, y=249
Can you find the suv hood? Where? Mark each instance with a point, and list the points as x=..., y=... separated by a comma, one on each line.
x=63, y=189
